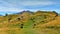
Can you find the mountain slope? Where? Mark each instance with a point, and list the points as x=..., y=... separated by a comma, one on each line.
x=30, y=23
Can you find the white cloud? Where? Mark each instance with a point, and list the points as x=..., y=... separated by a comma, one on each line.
x=4, y=9
x=5, y=6
x=11, y=6
x=30, y=3
x=10, y=9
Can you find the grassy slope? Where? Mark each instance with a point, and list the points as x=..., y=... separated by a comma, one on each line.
x=43, y=20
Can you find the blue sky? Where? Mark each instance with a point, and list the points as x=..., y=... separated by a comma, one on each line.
x=13, y=6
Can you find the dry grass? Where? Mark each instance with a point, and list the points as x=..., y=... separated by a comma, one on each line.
x=13, y=27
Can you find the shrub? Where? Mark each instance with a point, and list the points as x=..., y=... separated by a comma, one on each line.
x=22, y=25
x=55, y=13
x=42, y=22
x=32, y=18
x=22, y=16
x=34, y=25
x=6, y=14
x=18, y=18
x=9, y=19
x=50, y=27
x=53, y=27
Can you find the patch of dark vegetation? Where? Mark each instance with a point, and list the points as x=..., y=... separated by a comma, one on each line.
x=42, y=22
x=22, y=25
x=9, y=19
x=32, y=19
x=18, y=19
x=6, y=14
x=34, y=25
x=53, y=27
x=55, y=13
x=50, y=27
x=22, y=17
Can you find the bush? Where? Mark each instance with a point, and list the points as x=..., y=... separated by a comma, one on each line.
x=55, y=13
x=32, y=18
x=22, y=25
x=9, y=19
x=53, y=27
x=34, y=25
x=6, y=14
x=18, y=18
x=50, y=27
x=42, y=22
x=22, y=16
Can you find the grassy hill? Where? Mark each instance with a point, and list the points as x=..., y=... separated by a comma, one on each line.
x=40, y=22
